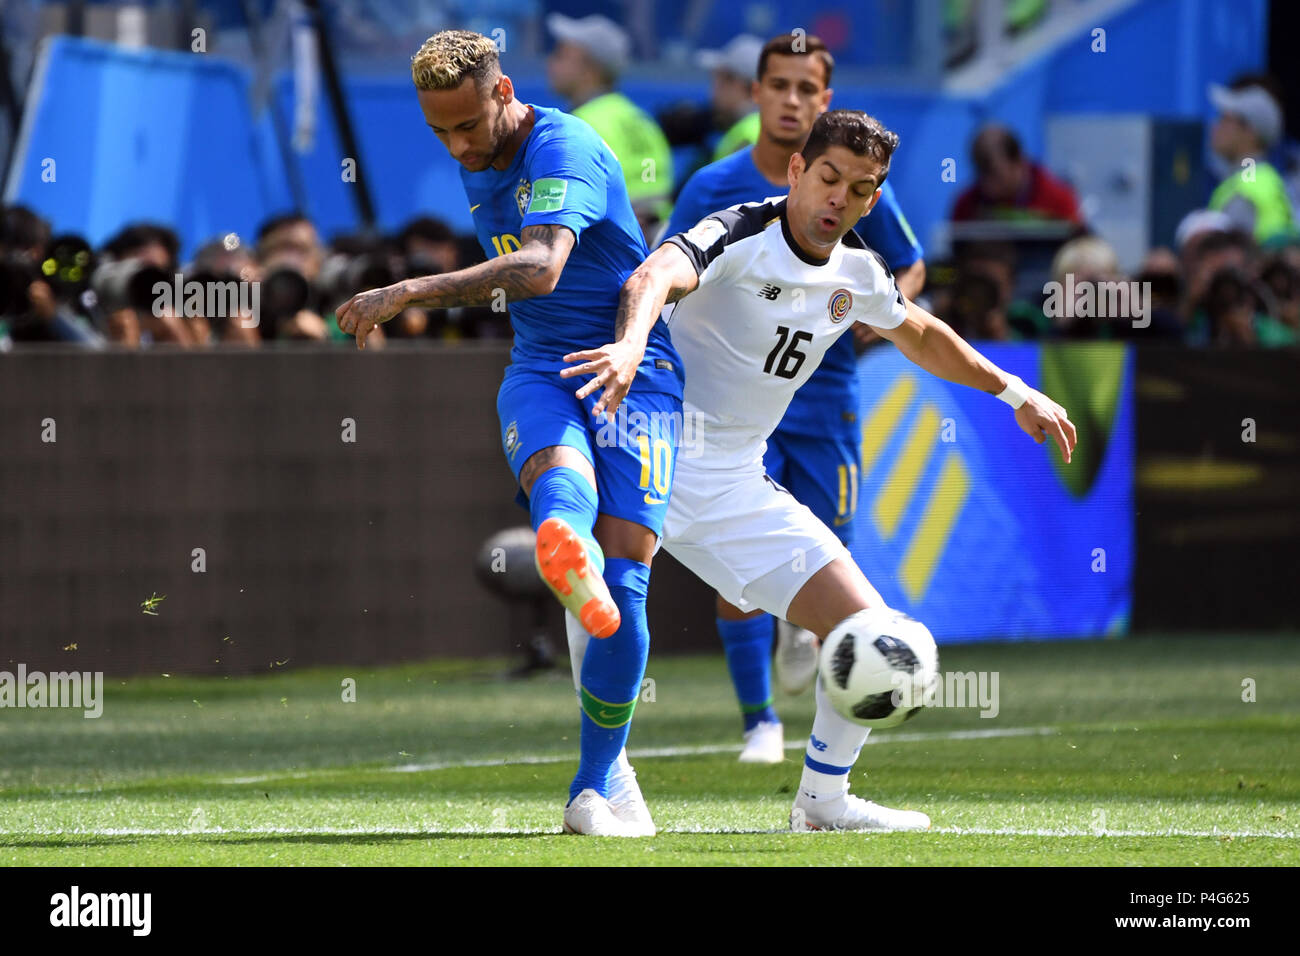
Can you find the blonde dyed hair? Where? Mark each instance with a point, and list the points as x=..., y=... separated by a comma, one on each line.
x=446, y=58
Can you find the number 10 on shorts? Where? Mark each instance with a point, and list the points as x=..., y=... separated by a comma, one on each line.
x=656, y=467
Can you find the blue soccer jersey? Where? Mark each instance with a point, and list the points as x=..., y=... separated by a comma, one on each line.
x=827, y=404
x=564, y=174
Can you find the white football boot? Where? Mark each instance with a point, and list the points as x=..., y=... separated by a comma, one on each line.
x=625, y=798
x=844, y=811
x=764, y=744
x=591, y=815
x=796, y=658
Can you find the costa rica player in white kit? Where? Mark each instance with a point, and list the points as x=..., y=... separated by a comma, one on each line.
x=762, y=290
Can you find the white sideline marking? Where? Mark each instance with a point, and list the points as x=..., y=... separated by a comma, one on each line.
x=542, y=831
x=700, y=750
x=1014, y=831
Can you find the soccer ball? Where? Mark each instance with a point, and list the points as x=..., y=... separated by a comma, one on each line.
x=879, y=667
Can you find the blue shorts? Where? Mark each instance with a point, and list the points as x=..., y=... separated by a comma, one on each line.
x=821, y=473
x=634, y=456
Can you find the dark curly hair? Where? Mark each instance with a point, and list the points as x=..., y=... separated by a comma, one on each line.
x=856, y=131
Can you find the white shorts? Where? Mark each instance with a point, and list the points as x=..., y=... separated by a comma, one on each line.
x=745, y=536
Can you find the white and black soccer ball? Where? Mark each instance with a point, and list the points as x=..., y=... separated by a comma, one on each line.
x=878, y=667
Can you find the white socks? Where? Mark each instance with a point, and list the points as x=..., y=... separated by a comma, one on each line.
x=578, y=638
x=832, y=749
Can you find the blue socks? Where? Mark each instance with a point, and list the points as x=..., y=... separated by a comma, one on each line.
x=564, y=493
x=612, y=668
x=748, y=645
x=611, y=676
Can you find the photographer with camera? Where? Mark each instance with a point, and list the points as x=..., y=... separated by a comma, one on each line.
x=290, y=256
x=41, y=282
x=124, y=300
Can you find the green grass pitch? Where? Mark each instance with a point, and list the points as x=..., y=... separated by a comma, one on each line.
x=1137, y=751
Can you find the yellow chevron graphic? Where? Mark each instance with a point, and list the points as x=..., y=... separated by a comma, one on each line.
x=931, y=537
x=900, y=485
x=877, y=430
x=946, y=499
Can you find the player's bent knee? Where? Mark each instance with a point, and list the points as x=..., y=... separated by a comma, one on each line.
x=554, y=456
x=620, y=538
x=835, y=592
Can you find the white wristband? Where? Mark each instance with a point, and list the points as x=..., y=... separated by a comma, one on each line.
x=1015, y=393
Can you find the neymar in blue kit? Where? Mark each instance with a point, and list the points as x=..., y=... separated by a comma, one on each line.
x=551, y=211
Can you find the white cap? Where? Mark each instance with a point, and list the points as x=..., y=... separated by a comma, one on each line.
x=1201, y=220
x=603, y=39
x=1255, y=105
x=740, y=56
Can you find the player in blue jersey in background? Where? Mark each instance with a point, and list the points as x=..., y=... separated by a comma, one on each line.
x=816, y=450
x=552, y=213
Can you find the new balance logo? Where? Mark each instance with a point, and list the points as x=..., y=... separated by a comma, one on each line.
x=770, y=292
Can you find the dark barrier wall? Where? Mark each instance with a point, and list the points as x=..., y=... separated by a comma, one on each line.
x=317, y=550
x=321, y=551
x=1218, y=490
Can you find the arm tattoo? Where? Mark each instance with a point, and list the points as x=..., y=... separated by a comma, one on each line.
x=521, y=274
x=629, y=305
x=546, y=235
x=638, y=300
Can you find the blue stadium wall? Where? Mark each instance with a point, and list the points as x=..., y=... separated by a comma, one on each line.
x=171, y=136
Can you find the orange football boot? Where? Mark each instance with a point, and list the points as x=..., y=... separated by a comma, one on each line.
x=563, y=563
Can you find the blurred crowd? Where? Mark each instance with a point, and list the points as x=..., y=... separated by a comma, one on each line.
x=1232, y=276
x=282, y=286
x=1218, y=287
x=1024, y=264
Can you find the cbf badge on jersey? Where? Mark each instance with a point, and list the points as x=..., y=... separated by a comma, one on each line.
x=522, y=194
x=840, y=303
x=512, y=439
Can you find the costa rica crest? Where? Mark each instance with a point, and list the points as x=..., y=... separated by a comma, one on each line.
x=840, y=303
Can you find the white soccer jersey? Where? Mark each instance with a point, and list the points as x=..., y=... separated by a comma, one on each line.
x=762, y=318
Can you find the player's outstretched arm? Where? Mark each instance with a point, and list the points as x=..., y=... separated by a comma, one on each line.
x=665, y=276
x=935, y=347
x=531, y=270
